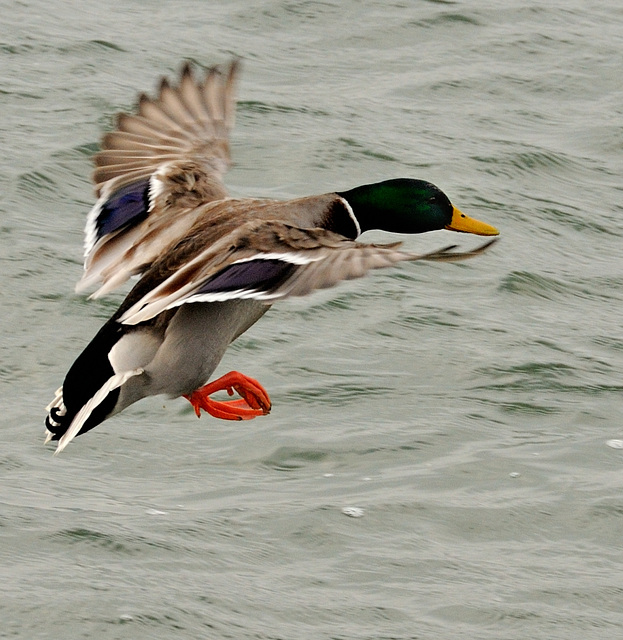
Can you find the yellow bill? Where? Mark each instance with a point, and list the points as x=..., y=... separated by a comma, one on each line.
x=464, y=224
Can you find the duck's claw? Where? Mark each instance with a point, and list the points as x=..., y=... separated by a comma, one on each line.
x=254, y=398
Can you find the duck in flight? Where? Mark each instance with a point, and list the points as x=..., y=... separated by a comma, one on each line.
x=210, y=265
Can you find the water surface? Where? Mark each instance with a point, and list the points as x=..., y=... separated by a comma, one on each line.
x=469, y=411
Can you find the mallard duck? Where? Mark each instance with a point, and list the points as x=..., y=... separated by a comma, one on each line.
x=210, y=265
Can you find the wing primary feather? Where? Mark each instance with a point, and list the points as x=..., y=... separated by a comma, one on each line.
x=178, y=140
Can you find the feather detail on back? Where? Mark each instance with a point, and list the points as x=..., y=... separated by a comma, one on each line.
x=154, y=172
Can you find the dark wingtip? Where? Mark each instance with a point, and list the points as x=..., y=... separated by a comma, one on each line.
x=186, y=70
x=448, y=255
x=235, y=65
x=164, y=85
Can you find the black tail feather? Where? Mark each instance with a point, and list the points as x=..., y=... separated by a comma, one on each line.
x=85, y=377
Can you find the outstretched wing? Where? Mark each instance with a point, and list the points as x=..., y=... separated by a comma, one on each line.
x=155, y=170
x=265, y=261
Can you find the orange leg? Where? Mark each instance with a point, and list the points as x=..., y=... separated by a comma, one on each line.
x=254, y=399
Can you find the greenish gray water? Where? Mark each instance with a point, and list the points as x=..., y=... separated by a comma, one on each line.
x=471, y=411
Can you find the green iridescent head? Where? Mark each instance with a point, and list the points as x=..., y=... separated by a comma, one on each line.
x=406, y=205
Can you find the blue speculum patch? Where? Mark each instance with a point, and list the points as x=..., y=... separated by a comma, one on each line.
x=263, y=275
x=130, y=204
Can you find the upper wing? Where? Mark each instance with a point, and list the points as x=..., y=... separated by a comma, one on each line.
x=153, y=172
x=265, y=261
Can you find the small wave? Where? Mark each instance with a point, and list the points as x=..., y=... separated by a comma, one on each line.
x=530, y=161
x=91, y=46
x=257, y=106
x=114, y=543
x=449, y=18
x=335, y=393
x=290, y=459
x=37, y=182
x=533, y=285
x=540, y=286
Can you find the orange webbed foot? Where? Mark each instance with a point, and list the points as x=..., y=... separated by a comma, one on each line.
x=254, y=400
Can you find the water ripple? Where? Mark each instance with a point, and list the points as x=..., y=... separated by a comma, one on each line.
x=534, y=285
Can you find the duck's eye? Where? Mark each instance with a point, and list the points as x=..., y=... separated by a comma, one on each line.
x=433, y=199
